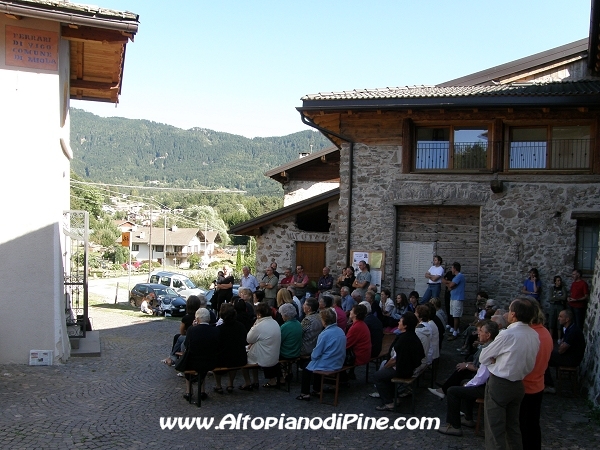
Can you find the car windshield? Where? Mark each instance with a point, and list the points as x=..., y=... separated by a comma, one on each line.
x=189, y=284
x=166, y=291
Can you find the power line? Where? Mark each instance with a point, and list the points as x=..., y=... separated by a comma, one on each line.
x=213, y=191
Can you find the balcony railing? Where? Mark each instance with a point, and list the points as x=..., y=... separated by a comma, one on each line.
x=563, y=154
x=458, y=156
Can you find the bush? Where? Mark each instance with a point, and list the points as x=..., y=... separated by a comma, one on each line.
x=194, y=260
x=205, y=278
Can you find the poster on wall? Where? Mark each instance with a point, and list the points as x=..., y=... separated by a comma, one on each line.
x=414, y=260
x=375, y=259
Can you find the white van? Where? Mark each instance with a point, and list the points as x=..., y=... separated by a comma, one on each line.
x=182, y=284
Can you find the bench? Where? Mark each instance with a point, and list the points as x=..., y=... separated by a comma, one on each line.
x=388, y=340
x=189, y=376
x=331, y=375
x=407, y=385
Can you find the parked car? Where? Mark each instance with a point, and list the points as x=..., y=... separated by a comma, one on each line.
x=166, y=301
x=182, y=284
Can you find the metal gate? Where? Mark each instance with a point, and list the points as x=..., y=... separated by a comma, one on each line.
x=75, y=264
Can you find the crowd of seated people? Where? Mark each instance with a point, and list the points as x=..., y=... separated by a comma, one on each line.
x=323, y=331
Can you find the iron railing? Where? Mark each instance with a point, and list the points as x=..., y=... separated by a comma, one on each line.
x=558, y=154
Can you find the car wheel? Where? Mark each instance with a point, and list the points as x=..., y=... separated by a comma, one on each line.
x=132, y=302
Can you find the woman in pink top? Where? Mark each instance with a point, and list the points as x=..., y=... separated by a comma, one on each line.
x=529, y=416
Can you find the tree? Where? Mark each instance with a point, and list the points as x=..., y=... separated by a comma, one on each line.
x=105, y=233
x=194, y=260
x=86, y=197
x=238, y=261
x=117, y=254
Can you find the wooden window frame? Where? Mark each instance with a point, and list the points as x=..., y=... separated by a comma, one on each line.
x=452, y=127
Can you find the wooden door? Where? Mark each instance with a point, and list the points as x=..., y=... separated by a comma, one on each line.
x=453, y=232
x=311, y=255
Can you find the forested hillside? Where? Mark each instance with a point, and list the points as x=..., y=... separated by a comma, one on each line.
x=127, y=151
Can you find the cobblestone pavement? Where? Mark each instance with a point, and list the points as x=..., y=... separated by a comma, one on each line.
x=116, y=400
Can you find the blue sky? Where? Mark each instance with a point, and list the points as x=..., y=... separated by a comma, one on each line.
x=242, y=66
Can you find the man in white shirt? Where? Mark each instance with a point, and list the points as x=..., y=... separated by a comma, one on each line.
x=248, y=280
x=509, y=359
x=463, y=397
x=434, y=276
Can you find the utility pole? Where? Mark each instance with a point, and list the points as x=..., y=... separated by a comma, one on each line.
x=150, y=245
x=165, y=241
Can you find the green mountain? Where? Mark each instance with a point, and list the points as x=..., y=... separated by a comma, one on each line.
x=127, y=151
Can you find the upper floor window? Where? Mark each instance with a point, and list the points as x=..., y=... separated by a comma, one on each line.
x=135, y=247
x=452, y=147
x=551, y=147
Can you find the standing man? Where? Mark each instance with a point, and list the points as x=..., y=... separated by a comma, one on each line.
x=457, y=298
x=274, y=267
x=326, y=281
x=269, y=285
x=509, y=359
x=224, y=288
x=286, y=281
x=248, y=280
x=434, y=276
x=363, y=279
x=578, y=298
x=299, y=282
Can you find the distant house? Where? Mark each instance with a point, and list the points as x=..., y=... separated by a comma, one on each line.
x=174, y=245
x=50, y=52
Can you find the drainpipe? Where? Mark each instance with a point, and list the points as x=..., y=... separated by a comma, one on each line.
x=326, y=132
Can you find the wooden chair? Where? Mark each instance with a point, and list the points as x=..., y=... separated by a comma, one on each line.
x=332, y=375
x=404, y=385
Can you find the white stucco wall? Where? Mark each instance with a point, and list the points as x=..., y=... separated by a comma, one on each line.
x=35, y=186
x=296, y=191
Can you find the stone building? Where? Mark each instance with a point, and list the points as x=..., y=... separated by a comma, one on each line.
x=304, y=231
x=498, y=171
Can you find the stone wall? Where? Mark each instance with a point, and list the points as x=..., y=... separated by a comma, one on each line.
x=590, y=367
x=527, y=225
x=277, y=243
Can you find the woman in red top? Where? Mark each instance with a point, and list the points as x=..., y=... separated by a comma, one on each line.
x=358, y=337
x=531, y=405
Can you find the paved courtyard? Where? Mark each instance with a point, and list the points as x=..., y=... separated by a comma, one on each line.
x=116, y=400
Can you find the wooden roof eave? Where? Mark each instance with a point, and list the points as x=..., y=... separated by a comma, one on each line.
x=97, y=62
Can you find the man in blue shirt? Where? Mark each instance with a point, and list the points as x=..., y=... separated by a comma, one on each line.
x=457, y=298
x=347, y=300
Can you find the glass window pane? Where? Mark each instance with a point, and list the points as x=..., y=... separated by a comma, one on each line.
x=528, y=148
x=570, y=147
x=470, y=148
x=433, y=146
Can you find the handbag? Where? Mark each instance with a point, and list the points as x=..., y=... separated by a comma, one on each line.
x=350, y=357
